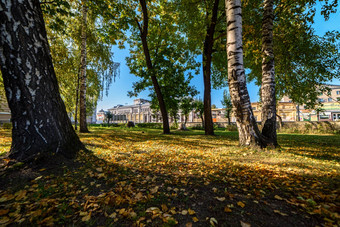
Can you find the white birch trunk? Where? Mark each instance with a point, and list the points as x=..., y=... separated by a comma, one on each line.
x=82, y=99
x=249, y=134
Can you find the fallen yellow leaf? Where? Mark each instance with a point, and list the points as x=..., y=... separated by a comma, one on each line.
x=241, y=204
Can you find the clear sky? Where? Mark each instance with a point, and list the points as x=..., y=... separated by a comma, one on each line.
x=118, y=89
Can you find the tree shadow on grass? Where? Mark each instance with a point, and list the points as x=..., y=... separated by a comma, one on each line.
x=113, y=193
x=321, y=147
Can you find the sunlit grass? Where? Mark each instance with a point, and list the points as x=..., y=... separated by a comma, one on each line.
x=137, y=168
x=194, y=153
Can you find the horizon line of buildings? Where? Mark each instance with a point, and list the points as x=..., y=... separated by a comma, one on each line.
x=140, y=111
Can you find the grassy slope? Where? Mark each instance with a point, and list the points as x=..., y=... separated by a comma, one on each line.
x=141, y=177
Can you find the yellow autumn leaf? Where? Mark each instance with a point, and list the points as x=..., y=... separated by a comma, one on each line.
x=195, y=219
x=164, y=208
x=227, y=210
x=279, y=212
x=184, y=212
x=4, y=220
x=6, y=197
x=220, y=198
x=278, y=197
x=86, y=218
x=241, y=204
x=82, y=213
x=213, y=221
x=20, y=194
x=191, y=212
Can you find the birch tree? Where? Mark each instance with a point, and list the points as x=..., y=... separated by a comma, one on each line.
x=41, y=126
x=83, y=78
x=249, y=134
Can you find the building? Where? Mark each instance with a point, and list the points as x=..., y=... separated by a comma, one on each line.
x=329, y=110
x=139, y=112
x=5, y=113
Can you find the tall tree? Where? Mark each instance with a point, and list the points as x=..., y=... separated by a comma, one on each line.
x=143, y=29
x=186, y=106
x=226, y=103
x=204, y=24
x=249, y=134
x=40, y=122
x=268, y=95
x=82, y=100
x=64, y=31
x=199, y=109
x=207, y=61
x=303, y=60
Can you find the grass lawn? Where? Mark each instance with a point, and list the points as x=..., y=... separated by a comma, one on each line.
x=139, y=177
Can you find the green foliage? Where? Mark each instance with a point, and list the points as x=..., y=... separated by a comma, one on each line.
x=199, y=108
x=197, y=127
x=194, y=18
x=2, y=90
x=226, y=103
x=7, y=125
x=65, y=41
x=231, y=128
x=108, y=116
x=187, y=105
x=150, y=125
x=303, y=60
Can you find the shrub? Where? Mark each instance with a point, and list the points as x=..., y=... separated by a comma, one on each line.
x=197, y=127
x=174, y=126
x=130, y=124
x=231, y=128
x=121, y=125
x=7, y=125
x=150, y=125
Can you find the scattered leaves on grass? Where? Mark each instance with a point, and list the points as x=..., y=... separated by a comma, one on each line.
x=150, y=179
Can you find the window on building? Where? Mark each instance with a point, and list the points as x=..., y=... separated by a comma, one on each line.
x=324, y=116
x=330, y=99
x=254, y=108
x=321, y=100
x=338, y=98
x=338, y=92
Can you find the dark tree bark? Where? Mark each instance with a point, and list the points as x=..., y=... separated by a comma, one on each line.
x=41, y=126
x=268, y=75
x=207, y=58
x=143, y=34
x=228, y=117
x=82, y=100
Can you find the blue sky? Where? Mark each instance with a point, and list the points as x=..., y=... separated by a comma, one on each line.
x=118, y=89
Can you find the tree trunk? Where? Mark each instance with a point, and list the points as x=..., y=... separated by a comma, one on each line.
x=268, y=75
x=202, y=118
x=82, y=99
x=77, y=101
x=207, y=58
x=228, y=118
x=143, y=34
x=249, y=134
x=297, y=112
x=41, y=126
x=280, y=121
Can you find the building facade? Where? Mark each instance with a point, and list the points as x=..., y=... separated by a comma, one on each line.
x=141, y=112
x=5, y=113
